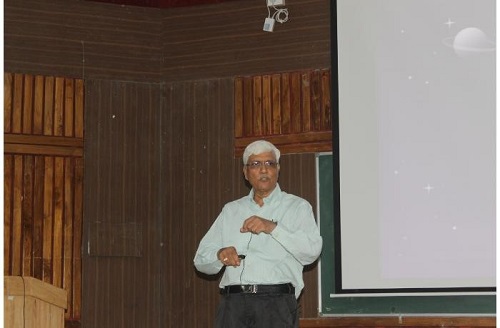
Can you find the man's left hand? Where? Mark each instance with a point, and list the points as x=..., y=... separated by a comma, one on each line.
x=256, y=224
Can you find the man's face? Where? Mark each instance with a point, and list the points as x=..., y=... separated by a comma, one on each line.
x=262, y=177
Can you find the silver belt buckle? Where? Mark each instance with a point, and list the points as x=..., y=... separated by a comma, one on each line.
x=251, y=289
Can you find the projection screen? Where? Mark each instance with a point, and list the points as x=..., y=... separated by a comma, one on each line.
x=416, y=143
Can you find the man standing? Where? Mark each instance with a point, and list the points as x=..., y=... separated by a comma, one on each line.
x=263, y=240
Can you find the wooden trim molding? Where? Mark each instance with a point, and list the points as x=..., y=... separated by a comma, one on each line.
x=308, y=142
x=43, y=145
x=394, y=321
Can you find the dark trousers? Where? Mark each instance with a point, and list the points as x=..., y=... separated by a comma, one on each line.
x=257, y=311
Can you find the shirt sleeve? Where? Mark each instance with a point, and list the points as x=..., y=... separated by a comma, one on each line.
x=205, y=259
x=298, y=233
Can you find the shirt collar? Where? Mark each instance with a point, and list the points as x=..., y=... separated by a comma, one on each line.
x=269, y=199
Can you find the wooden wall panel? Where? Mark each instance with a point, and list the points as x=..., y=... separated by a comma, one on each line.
x=291, y=110
x=43, y=181
x=43, y=115
x=82, y=39
x=87, y=39
x=201, y=174
x=224, y=40
x=122, y=190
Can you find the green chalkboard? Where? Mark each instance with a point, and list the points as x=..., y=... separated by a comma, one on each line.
x=376, y=305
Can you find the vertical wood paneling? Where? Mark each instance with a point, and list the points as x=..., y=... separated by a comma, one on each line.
x=79, y=108
x=69, y=110
x=57, y=237
x=58, y=123
x=27, y=215
x=43, y=215
x=34, y=243
x=67, y=222
x=7, y=102
x=286, y=125
x=38, y=105
x=201, y=180
x=276, y=114
x=17, y=250
x=48, y=219
x=316, y=93
x=48, y=110
x=316, y=97
x=306, y=102
x=290, y=108
x=295, y=103
x=76, y=301
x=7, y=211
x=27, y=115
x=267, y=109
x=122, y=185
x=257, y=106
x=18, y=104
x=38, y=241
x=248, y=107
x=325, y=101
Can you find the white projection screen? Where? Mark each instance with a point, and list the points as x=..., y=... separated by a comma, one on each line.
x=417, y=144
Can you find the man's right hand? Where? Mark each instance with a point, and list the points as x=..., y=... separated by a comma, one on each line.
x=229, y=256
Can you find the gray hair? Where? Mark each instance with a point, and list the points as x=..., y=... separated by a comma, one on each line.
x=259, y=147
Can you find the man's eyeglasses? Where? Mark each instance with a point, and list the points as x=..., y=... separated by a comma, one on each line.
x=258, y=164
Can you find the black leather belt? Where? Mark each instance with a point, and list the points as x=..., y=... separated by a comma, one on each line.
x=259, y=289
